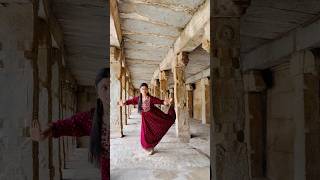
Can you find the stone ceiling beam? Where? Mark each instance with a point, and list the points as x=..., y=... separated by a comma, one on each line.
x=198, y=76
x=115, y=28
x=190, y=37
x=276, y=51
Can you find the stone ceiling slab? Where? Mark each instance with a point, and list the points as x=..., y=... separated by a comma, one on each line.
x=266, y=20
x=85, y=26
x=155, y=14
x=150, y=27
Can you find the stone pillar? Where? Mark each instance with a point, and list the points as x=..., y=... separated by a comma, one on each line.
x=127, y=97
x=123, y=91
x=151, y=90
x=157, y=88
x=180, y=96
x=116, y=126
x=304, y=68
x=131, y=95
x=205, y=116
x=189, y=88
x=163, y=77
x=255, y=105
x=229, y=158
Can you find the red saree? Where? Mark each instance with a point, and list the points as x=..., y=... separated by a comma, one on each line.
x=80, y=125
x=155, y=123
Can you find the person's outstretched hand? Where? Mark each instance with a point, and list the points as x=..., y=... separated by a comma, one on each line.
x=167, y=101
x=36, y=134
x=121, y=103
x=35, y=131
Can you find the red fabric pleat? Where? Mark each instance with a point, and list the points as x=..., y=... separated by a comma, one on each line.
x=155, y=124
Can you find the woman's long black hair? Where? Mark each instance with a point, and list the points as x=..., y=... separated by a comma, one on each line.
x=95, y=135
x=140, y=97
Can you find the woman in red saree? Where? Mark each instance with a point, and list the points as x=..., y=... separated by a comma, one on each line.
x=93, y=123
x=155, y=123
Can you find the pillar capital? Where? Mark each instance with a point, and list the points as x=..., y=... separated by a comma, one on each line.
x=205, y=81
x=114, y=54
x=156, y=82
x=189, y=87
x=206, y=38
x=235, y=8
x=164, y=75
x=253, y=81
x=181, y=60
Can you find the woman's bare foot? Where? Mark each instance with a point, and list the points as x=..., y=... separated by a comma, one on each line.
x=150, y=151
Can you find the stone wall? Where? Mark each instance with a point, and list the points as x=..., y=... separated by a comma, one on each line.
x=16, y=92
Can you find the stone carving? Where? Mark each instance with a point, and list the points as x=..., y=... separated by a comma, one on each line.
x=220, y=152
x=230, y=7
x=226, y=32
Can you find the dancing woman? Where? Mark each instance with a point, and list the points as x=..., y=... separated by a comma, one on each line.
x=155, y=123
x=93, y=123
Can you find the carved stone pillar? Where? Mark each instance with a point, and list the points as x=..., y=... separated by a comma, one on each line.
x=127, y=97
x=116, y=126
x=189, y=88
x=156, y=86
x=151, y=90
x=205, y=101
x=180, y=96
x=163, y=77
x=123, y=94
x=229, y=156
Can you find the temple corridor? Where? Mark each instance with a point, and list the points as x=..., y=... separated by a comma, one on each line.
x=245, y=73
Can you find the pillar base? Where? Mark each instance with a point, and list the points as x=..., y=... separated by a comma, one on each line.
x=116, y=134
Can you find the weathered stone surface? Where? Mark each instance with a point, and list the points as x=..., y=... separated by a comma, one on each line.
x=116, y=125
x=156, y=88
x=205, y=104
x=16, y=77
x=163, y=77
x=227, y=118
x=172, y=159
x=189, y=88
x=180, y=96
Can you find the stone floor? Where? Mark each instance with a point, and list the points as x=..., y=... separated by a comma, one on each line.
x=79, y=168
x=172, y=161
